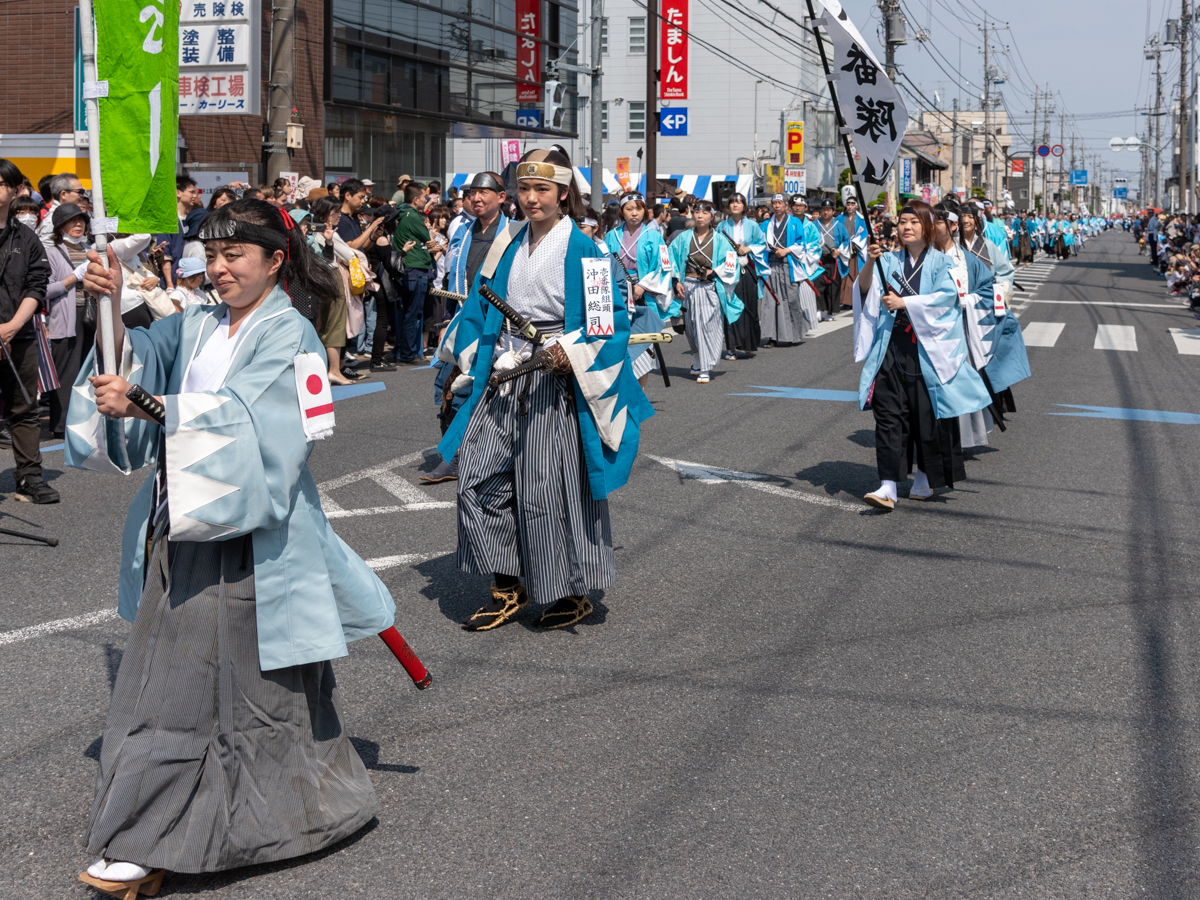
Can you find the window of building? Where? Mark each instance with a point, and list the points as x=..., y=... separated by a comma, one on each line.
x=604, y=36
x=637, y=37
x=637, y=120
x=826, y=130
x=604, y=121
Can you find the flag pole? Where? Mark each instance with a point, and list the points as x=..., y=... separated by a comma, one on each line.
x=100, y=221
x=845, y=133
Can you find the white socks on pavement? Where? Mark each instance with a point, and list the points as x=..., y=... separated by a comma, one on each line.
x=886, y=489
x=117, y=871
x=920, y=484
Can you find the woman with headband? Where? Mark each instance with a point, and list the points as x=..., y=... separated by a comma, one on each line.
x=224, y=745
x=748, y=240
x=705, y=268
x=909, y=333
x=794, y=252
x=998, y=347
x=539, y=454
x=643, y=256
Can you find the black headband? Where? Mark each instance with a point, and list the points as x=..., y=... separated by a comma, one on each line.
x=227, y=228
x=486, y=181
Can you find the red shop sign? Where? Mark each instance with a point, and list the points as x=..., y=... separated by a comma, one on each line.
x=674, y=50
x=529, y=51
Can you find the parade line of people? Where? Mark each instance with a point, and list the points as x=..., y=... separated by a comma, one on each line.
x=224, y=744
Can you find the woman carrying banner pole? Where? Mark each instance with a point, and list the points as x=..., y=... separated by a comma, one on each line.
x=224, y=744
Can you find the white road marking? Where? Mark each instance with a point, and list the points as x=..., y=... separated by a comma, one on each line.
x=412, y=497
x=1115, y=337
x=1042, y=334
x=1112, y=303
x=712, y=475
x=1187, y=340
x=34, y=631
x=107, y=615
x=404, y=559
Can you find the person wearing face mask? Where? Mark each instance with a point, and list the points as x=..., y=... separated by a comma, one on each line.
x=68, y=260
x=24, y=276
x=224, y=744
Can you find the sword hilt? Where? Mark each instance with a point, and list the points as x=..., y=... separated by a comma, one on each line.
x=147, y=403
x=539, y=361
x=653, y=337
x=524, y=326
x=447, y=295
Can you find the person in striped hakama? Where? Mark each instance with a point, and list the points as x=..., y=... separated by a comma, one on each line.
x=224, y=745
x=540, y=454
x=705, y=269
x=643, y=256
x=795, y=260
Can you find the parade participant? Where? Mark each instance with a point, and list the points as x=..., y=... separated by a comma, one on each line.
x=997, y=345
x=705, y=268
x=829, y=284
x=539, y=455
x=643, y=255
x=1024, y=239
x=224, y=745
x=812, y=237
x=794, y=259
x=748, y=239
x=909, y=334
x=850, y=232
x=471, y=240
x=974, y=281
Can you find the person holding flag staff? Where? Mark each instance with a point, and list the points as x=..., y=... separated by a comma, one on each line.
x=747, y=238
x=795, y=253
x=540, y=453
x=909, y=333
x=225, y=745
x=643, y=255
x=705, y=268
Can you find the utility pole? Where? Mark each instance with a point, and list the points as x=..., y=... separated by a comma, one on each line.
x=1033, y=157
x=1062, y=136
x=954, y=152
x=597, y=106
x=1046, y=141
x=893, y=31
x=653, y=30
x=1154, y=132
x=987, y=106
x=283, y=61
x=1185, y=157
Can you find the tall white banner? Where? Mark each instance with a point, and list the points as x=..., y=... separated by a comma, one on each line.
x=870, y=104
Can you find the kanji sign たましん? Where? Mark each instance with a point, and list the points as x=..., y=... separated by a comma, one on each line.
x=529, y=51
x=674, y=58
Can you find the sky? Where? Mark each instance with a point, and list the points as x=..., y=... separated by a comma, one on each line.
x=1090, y=52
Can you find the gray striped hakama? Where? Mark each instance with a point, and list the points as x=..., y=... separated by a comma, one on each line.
x=704, y=324
x=808, y=305
x=784, y=323
x=209, y=763
x=525, y=508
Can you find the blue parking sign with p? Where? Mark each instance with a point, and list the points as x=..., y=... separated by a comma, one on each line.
x=529, y=118
x=674, y=121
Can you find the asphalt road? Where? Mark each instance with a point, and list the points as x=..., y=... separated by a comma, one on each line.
x=994, y=694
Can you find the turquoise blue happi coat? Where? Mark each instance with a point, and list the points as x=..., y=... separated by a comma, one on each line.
x=609, y=402
x=732, y=306
x=954, y=388
x=237, y=464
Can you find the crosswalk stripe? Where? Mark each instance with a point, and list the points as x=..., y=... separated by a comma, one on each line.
x=1042, y=334
x=1187, y=340
x=1115, y=337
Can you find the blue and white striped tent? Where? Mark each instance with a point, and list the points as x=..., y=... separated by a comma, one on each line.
x=699, y=185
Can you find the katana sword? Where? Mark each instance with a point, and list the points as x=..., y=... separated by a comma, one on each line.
x=151, y=406
x=447, y=295
x=523, y=325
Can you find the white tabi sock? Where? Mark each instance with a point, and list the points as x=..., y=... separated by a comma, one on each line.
x=124, y=871
x=921, y=482
x=96, y=869
x=886, y=489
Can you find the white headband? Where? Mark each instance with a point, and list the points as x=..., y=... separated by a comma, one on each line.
x=546, y=172
x=953, y=217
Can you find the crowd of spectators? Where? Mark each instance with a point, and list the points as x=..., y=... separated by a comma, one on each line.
x=1173, y=245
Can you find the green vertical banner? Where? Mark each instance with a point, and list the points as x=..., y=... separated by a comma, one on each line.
x=137, y=91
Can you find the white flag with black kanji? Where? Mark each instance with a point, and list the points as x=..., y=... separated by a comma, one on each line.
x=871, y=106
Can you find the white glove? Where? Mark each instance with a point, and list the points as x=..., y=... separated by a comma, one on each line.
x=509, y=359
x=462, y=384
x=80, y=271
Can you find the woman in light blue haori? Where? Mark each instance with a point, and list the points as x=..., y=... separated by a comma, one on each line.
x=224, y=744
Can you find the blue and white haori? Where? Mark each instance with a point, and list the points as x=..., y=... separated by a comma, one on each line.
x=643, y=255
x=753, y=239
x=954, y=388
x=236, y=464
x=848, y=244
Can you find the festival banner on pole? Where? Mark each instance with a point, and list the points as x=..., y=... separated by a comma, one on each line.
x=870, y=103
x=623, y=173
x=137, y=93
x=529, y=51
x=674, y=50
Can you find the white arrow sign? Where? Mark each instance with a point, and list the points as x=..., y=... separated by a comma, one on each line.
x=712, y=475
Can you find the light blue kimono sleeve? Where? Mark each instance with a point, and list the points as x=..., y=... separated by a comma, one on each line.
x=148, y=358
